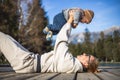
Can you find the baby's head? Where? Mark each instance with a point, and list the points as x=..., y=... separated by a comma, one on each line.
x=88, y=16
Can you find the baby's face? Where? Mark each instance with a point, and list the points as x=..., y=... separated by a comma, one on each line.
x=85, y=20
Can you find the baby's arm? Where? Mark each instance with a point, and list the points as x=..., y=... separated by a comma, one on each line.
x=76, y=15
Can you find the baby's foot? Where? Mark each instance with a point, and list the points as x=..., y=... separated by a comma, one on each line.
x=49, y=35
x=45, y=30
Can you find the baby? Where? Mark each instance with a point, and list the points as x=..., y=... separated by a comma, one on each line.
x=83, y=16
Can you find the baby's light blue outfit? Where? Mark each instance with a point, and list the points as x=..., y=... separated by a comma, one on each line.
x=61, y=18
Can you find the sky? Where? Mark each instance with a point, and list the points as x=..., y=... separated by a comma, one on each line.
x=107, y=12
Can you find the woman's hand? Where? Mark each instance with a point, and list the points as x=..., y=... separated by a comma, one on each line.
x=70, y=20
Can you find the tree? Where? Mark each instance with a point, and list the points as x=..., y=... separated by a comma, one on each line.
x=75, y=49
x=100, y=47
x=116, y=44
x=31, y=35
x=9, y=17
x=86, y=46
x=108, y=47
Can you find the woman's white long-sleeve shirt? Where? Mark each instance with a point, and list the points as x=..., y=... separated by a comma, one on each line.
x=60, y=59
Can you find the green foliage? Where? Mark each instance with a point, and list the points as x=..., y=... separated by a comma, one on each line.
x=3, y=60
x=75, y=49
x=106, y=48
x=99, y=49
x=9, y=17
x=80, y=48
x=87, y=45
x=116, y=44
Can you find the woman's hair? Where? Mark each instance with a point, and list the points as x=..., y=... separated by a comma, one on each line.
x=93, y=65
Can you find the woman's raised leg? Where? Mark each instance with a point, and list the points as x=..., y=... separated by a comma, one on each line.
x=20, y=58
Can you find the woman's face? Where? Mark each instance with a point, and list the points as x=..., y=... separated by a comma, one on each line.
x=85, y=59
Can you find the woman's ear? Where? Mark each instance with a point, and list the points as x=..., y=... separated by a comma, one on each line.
x=84, y=54
x=85, y=64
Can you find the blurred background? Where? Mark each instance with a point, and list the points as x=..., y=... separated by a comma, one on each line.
x=24, y=20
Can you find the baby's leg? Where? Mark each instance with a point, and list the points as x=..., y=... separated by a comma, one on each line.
x=58, y=23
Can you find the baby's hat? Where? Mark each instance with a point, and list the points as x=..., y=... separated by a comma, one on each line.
x=89, y=14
